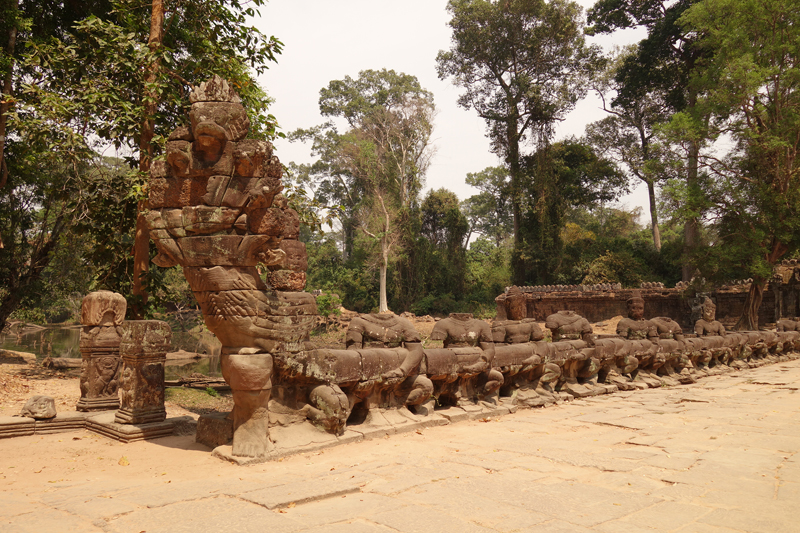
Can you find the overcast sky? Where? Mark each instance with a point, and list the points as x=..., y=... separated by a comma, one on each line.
x=327, y=40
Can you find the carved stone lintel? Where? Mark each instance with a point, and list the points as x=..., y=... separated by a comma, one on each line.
x=143, y=349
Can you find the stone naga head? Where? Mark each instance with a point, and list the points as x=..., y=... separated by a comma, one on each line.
x=103, y=308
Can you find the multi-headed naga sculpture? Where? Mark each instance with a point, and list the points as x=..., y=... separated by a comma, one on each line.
x=216, y=209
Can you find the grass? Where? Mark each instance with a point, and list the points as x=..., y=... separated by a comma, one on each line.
x=199, y=401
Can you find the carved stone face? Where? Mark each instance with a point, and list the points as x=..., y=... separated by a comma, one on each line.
x=209, y=142
x=636, y=309
x=709, y=311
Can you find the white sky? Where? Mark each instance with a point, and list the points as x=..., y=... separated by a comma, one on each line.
x=328, y=39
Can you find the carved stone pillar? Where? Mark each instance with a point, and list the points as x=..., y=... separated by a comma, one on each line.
x=143, y=349
x=102, y=314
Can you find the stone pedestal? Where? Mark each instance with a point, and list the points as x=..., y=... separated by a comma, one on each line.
x=102, y=314
x=143, y=348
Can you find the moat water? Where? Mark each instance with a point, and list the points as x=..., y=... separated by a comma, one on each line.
x=64, y=341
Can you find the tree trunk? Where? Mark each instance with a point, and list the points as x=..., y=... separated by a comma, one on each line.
x=691, y=228
x=749, y=319
x=651, y=191
x=141, y=246
x=383, y=306
x=517, y=260
x=5, y=104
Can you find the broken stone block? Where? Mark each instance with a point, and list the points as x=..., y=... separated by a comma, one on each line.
x=286, y=280
x=39, y=407
x=214, y=429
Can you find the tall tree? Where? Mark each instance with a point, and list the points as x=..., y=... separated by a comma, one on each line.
x=377, y=166
x=663, y=62
x=489, y=212
x=749, y=83
x=570, y=174
x=628, y=134
x=523, y=65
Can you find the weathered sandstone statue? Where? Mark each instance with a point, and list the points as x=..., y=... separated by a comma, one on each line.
x=571, y=333
x=102, y=313
x=708, y=326
x=635, y=327
x=216, y=210
x=520, y=353
x=461, y=330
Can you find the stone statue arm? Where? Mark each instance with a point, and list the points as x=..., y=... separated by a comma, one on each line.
x=498, y=333
x=439, y=332
x=536, y=332
x=354, y=339
x=699, y=328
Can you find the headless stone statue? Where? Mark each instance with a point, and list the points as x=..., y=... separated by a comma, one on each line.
x=788, y=324
x=387, y=330
x=461, y=330
x=568, y=325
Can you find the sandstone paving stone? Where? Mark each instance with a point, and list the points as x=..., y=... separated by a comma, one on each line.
x=698, y=527
x=95, y=508
x=13, y=505
x=404, y=479
x=555, y=526
x=667, y=515
x=484, y=508
x=787, y=491
x=161, y=493
x=680, y=492
x=747, y=495
x=49, y=520
x=354, y=526
x=342, y=509
x=422, y=519
x=624, y=482
x=673, y=461
x=621, y=526
x=754, y=521
x=303, y=491
x=499, y=461
x=217, y=514
x=61, y=493
x=583, y=504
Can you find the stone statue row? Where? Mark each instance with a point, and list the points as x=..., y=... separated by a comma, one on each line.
x=385, y=365
x=215, y=208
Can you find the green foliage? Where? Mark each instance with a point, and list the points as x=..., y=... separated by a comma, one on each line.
x=370, y=175
x=329, y=304
x=212, y=392
x=79, y=85
x=748, y=85
x=523, y=65
x=565, y=175
x=489, y=212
